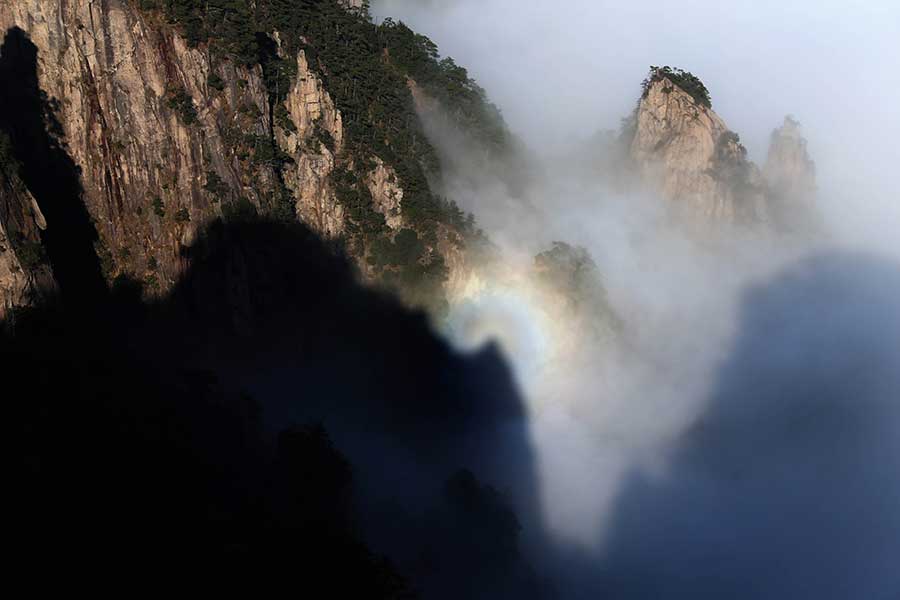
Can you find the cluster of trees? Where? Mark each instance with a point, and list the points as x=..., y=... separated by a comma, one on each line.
x=227, y=24
x=571, y=275
x=569, y=269
x=215, y=186
x=178, y=100
x=686, y=80
x=466, y=101
x=732, y=167
x=365, y=69
x=380, y=119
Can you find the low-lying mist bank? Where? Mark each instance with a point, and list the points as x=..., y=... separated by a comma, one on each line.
x=715, y=414
x=626, y=399
x=562, y=73
x=728, y=428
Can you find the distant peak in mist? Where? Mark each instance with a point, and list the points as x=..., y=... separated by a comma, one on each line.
x=686, y=152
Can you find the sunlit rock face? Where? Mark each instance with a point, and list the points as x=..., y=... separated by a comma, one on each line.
x=316, y=139
x=151, y=124
x=387, y=194
x=791, y=176
x=686, y=152
x=165, y=138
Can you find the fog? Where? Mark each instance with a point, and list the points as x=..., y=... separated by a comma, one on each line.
x=738, y=435
x=564, y=71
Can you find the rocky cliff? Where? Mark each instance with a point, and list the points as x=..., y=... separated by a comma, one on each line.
x=687, y=152
x=24, y=274
x=791, y=176
x=156, y=128
x=164, y=135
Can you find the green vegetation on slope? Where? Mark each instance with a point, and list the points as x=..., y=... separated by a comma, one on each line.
x=686, y=80
x=418, y=57
x=365, y=68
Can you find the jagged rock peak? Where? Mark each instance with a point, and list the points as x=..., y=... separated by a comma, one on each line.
x=687, y=153
x=791, y=174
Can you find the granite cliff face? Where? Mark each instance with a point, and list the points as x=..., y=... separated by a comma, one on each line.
x=312, y=111
x=142, y=159
x=123, y=142
x=163, y=138
x=683, y=150
x=387, y=194
x=686, y=151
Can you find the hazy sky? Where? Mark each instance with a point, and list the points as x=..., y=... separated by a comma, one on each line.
x=570, y=68
x=718, y=335
x=563, y=68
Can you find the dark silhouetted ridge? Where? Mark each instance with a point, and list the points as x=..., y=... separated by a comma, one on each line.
x=271, y=416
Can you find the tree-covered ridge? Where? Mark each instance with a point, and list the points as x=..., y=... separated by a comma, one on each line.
x=685, y=80
x=186, y=451
x=443, y=79
x=365, y=68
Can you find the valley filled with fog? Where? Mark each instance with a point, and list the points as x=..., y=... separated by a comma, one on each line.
x=452, y=299
x=719, y=413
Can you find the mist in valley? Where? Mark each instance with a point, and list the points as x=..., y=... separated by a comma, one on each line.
x=711, y=414
x=590, y=351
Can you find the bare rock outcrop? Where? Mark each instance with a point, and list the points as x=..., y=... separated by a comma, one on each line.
x=166, y=137
x=313, y=137
x=791, y=176
x=386, y=193
x=685, y=151
x=148, y=121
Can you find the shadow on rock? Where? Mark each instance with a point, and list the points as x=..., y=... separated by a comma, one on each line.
x=270, y=413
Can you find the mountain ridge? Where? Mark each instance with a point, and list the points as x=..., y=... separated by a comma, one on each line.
x=177, y=114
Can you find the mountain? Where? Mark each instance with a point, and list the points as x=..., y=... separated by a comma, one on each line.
x=222, y=235
x=681, y=148
x=270, y=418
x=161, y=117
x=202, y=204
x=791, y=175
